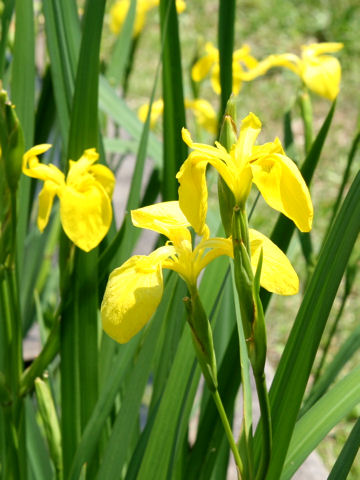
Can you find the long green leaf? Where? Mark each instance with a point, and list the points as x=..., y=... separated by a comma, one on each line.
x=126, y=420
x=320, y=419
x=346, y=351
x=5, y=22
x=84, y=128
x=296, y=362
x=226, y=46
x=347, y=455
x=175, y=150
x=23, y=96
x=117, y=109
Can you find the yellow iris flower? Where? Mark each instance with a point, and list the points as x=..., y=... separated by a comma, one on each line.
x=210, y=62
x=203, y=111
x=134, y=290
x=320, y=73
x=120, y=9
x=276, y=176
x=85, y=195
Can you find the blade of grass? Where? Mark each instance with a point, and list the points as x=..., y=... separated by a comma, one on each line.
x=175, y=150
x=320, y=419
x=226, y=46
x=345, y=353
x=23, y=96
x=117, y=109
x=6, y=15
x=83, y=134
x=341, y=469
x=125, y=424
x=296, y=362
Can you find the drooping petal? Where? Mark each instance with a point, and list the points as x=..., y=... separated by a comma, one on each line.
x=162, y=218
x=277, y=273
x=85, y=215
x=283, y=188
x=322, y=75
x=287, y=60
x=46, y=198
x=33, y=168
x=132, y=295
x=193, y=193
x=157, y=109
x=320, y=48
x=105, y=177
x=202, y=67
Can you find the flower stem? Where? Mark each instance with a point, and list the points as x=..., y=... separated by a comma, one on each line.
x=228, y=431
x=266, y=425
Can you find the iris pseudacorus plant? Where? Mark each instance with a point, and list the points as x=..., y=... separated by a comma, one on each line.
x=320, y=72
x=120, y=9
x=209, y=63
x=203, y=111
x=85, y=195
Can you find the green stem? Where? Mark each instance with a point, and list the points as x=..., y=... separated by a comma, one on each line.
x=228, y=431
x=266, y=425
x=307, y=118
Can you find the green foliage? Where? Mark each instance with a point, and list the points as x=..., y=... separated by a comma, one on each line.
x=87, y=407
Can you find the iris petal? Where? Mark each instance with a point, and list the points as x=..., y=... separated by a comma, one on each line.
x=85, y=215
x=131, y=297
x=283, y=188
x=277, y=273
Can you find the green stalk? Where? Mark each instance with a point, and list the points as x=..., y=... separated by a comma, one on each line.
x=228, y=431
x=266, y=425
x=253, y=325
x=204, y=348
x=307, y=119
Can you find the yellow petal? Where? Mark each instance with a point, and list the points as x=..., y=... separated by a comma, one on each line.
x=204, y=113
x=78, y=169
x=320, y=48
x=202, y=67
x=156, y=111
x=193, y=193
x=180, y=6
x=46, y=198
x=118, y=14
x=85, y=215
x=277, y=273
x=105, y=177
x=287, y=60
x=249, y=131
x=163, y=217
x=217, y=246
x=215, y=79
x=322, y=75
x=131, y=297
x=283, y=188
x=33, y=168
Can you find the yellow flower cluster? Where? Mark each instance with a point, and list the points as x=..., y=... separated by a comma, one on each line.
x=319, y=71
x=134, y=290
